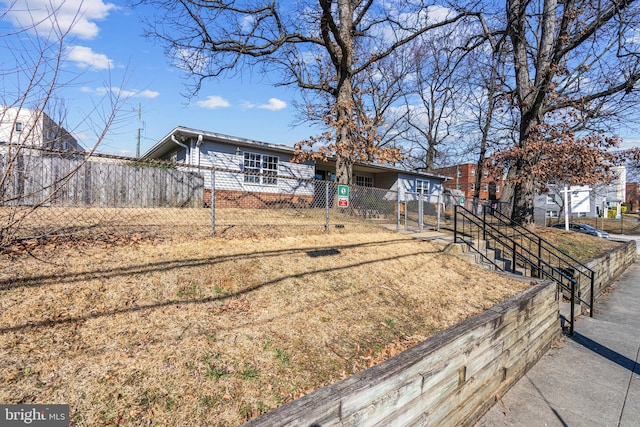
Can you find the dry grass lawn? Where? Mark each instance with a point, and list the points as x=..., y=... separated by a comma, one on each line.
x=216, y=331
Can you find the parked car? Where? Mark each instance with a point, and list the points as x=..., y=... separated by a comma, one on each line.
x=584, y=228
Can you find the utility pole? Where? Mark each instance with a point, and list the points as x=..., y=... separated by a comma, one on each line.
x=139, y=129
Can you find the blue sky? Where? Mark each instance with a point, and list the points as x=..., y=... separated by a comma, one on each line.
x=107, y=52
x=107, y=48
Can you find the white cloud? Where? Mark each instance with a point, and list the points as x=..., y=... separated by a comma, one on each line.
x=274, y=104
x=123, y=93
x=150, y=94
x=84, y=57
x=248, y=22
x=77, y=17
x=213, y=102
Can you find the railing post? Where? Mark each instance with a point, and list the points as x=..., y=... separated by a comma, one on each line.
x=455, y=223
x=539, y=256
x=484, y=224
x=513, y=266
x=593, y=277
x=572, y=309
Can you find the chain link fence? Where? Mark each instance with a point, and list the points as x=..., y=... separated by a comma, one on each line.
x=53, y=195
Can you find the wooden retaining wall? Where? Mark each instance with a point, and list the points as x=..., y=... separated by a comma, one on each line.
x=608, y=267
x=452, y=378
x=449, y=379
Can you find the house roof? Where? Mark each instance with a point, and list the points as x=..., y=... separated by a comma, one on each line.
x=166, y=145
x=183, y=134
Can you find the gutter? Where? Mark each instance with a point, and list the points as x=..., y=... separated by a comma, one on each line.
x=198, y=144
x=187, y=151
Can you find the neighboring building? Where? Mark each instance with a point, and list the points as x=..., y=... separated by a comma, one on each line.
x=584, y=201
x=33, y=128
x=463, y=178
x=273, y=166
x=633, y=197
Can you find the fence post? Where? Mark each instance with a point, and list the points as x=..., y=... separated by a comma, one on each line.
x=213, y=202
x=406, y=205
x=438, y=214
x=420, y=211
x=326, y=206
x=399, y=205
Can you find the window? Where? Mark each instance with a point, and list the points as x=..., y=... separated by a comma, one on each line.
x=552, y=214
x=473, y=186
x=459, y=173
x=497, y=189
x=473, y=172
x=485, y=187
x=550, y=200
x=364, y=181
x=180, y=155
x=270, y=170
x=18, y=126
x=422, y=186
x=260, y=169
x=485, y=173
x=458, y=186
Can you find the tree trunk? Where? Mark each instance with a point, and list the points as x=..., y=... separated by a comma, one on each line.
x=430, y=156
x=523, y=212
x=344, y=144
x=344, y=161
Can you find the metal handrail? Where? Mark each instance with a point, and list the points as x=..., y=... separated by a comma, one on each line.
x=519, y=253
x=566, y=260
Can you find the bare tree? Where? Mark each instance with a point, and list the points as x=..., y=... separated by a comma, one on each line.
x=492, y=124
x=319, y=47
x=33, y=119
x=436, y=96
x=576, y=66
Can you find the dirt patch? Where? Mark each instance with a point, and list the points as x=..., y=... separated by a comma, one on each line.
x=214, y=331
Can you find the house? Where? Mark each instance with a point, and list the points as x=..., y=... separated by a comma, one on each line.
x=584, y=201
x=265, y=171
x=33, y=128
x=464, y=179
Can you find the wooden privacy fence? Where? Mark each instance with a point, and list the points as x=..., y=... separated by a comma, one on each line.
x=57, y=181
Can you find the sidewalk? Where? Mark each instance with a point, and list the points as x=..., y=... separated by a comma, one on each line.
x=590, y=379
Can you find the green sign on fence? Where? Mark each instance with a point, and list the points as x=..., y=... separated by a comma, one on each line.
x=343, y=196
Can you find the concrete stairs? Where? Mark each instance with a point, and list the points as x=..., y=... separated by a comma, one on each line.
x=485, y=256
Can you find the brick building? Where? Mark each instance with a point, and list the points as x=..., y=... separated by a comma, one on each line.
x=633, y=197
x=463, y=177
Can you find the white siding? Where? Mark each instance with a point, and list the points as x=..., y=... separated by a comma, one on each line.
x=229, y=157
